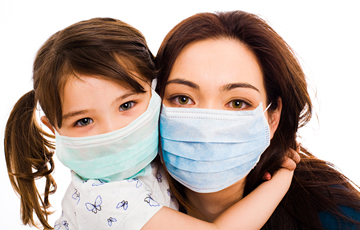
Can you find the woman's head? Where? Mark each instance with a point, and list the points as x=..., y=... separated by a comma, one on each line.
x=218, y=74
x=282, y=78
x=101, y=48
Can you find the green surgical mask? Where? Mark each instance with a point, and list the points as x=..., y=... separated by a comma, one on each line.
x=117, y=155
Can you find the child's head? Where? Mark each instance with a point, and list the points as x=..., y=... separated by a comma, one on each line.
x=101, y=47
x=92, y=54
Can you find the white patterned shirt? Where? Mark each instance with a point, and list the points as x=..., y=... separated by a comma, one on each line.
x=126, y=204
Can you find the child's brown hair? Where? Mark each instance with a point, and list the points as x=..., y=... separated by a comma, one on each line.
x=102, y=47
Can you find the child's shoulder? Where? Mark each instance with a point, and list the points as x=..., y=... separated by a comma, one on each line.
x=155, y=180
x=126, y=203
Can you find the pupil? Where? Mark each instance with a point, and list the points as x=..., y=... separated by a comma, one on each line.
x=126, y=106
x=237, y=104
x=183, y=100
x=85, y=121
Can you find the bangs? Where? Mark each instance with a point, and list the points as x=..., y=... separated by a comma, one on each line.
x=95, y=63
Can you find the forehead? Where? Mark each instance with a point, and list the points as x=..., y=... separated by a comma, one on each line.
x=81, y=82
x=218, y=61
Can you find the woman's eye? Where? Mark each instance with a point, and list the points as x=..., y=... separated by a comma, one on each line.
x=84, y=122
x=237, y=104
x=126, y=105
x=182, y=100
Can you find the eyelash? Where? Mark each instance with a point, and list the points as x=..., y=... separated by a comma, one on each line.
x=132, y=103
x=80, y=122
x=77, y=123
x=247, y=104
x=175, y=100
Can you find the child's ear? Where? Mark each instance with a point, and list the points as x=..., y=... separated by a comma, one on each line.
x=46, y=122
x=274, y=118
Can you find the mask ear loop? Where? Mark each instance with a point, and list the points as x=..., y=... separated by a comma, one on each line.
x=268, y=107
x=266, y=110
x=154, y=83
x=160, y=147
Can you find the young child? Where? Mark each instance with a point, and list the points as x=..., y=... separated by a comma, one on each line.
x=93, y=83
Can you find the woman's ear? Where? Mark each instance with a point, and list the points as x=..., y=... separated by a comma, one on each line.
x=274, y=118
x=46, y=122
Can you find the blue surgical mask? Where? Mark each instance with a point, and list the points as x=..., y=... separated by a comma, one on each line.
x=116, y=155
x=208, y=150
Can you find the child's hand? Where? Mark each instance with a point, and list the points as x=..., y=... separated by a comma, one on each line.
x=290, y=160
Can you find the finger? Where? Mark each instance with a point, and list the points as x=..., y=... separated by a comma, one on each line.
x=289, y=164
x=267, y=176
x=298, y=147
x=295, y=155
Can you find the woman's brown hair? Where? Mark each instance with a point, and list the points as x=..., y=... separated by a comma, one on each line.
x=99, y=47
x=317, y=186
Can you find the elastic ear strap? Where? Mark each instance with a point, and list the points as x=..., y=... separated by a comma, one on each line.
x=267, y=107
x=56, y=132
x=154, y=83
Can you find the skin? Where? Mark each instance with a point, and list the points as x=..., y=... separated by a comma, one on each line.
x=93, y=106
x=218, y=74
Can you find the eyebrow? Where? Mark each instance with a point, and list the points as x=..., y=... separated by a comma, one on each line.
x=123, y=97
x=183, y=82
x=231, y=86
x=75, y=113
x=79, y=112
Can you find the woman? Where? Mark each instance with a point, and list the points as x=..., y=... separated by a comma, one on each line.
x=236, y=61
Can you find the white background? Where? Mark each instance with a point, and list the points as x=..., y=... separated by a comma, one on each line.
x=324, y=34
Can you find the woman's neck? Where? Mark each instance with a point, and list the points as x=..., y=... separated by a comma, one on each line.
x=211, y=205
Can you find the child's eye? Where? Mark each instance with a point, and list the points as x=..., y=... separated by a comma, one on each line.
x=126, y=105
x=237, y=104
x=84, y=122
x=182, y=100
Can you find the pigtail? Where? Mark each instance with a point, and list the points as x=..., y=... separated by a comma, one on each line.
x=28, y=154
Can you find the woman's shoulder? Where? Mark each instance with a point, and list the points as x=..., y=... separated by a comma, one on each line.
x=330, y=221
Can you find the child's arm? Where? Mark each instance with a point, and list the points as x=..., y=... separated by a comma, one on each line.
x=255, y=209
x=251, y=212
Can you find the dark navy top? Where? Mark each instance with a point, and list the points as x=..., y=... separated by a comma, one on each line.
x=330, y=222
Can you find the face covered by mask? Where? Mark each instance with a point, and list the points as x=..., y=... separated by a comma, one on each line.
x=208, y=150
x=116, y=155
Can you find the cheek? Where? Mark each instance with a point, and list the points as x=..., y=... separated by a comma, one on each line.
x=142, y=107
x=271, y=134
x=166, y=103
x=129, y=116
